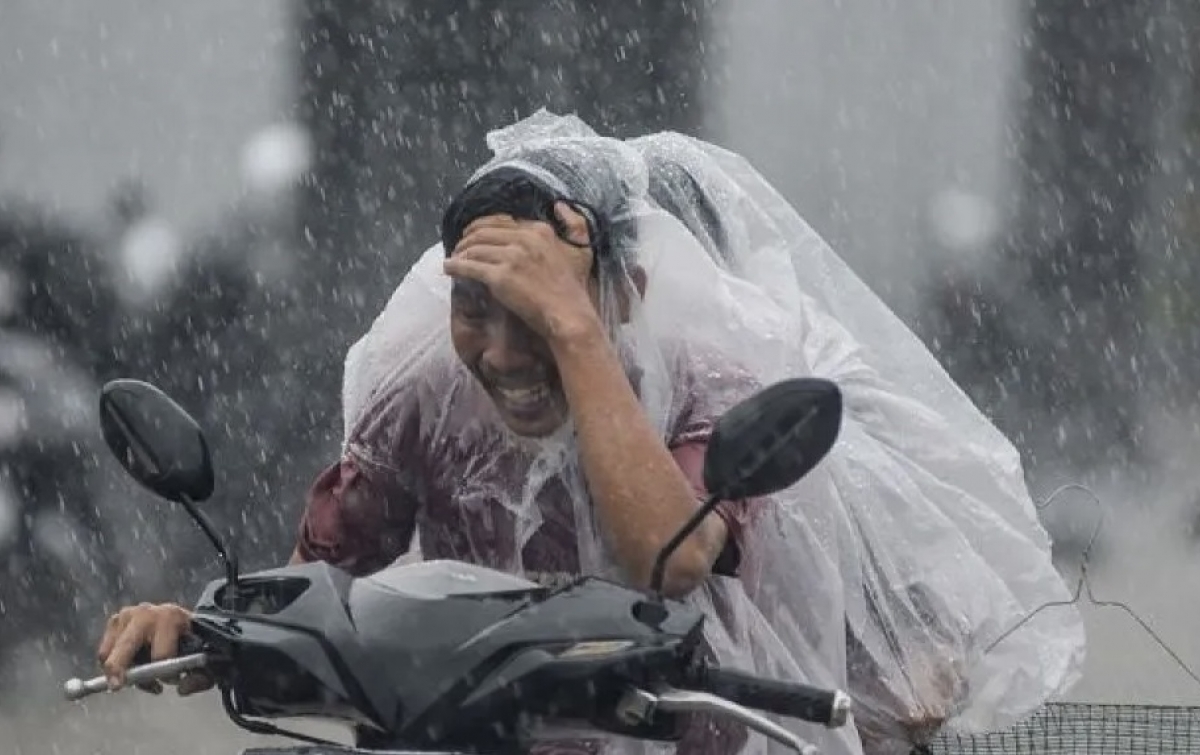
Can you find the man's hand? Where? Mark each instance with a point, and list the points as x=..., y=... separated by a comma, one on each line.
x=158, y=626
x=912, y=710
x=530, y=270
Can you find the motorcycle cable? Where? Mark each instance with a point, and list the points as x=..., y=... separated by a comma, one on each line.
x=265, y=728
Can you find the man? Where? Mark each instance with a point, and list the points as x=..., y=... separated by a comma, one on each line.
x=546, y=412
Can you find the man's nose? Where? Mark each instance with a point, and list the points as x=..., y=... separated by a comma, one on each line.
x=510, y=347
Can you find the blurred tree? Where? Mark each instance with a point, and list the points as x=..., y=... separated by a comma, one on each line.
x=398, y=96
x=1175, y=278
x=54, y=285
x=1175, y=233
x=1059, y=335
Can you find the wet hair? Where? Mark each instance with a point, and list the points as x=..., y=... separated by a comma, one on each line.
x=504, y=191
x=674, y=189
x=594, y=189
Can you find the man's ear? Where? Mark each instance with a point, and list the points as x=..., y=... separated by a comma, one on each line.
x=637, y=276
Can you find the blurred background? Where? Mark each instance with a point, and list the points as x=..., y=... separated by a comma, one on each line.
x=218, y=197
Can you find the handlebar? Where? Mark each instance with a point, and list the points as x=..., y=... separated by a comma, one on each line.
x=77, y=689
x=640, y=705
x=723, y=692
x=830, y=708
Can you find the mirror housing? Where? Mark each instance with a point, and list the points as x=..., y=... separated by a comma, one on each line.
x=162, y=447
x=156, y=441
x=769, y=441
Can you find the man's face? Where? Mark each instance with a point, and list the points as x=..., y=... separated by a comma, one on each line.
x=514, y=364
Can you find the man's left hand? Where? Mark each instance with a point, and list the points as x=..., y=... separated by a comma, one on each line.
x=530, y=270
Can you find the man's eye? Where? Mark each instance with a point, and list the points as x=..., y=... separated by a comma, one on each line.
x=471, y=300
x=470, y=308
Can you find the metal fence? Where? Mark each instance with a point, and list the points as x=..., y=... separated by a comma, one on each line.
x=1085, y=729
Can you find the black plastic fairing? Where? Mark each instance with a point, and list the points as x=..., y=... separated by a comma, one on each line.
x=279, y=671
x=436, y=579
x=401, y=652
x=590, y=610
x=587, y=688
x=332, y=750
x=387, y=638
x=315, y=627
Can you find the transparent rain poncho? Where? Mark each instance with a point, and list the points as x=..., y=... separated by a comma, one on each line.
x=888, y=571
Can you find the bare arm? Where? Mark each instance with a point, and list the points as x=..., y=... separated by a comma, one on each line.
x=641, y=495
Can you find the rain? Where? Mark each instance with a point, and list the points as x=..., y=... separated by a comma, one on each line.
x=219, y=198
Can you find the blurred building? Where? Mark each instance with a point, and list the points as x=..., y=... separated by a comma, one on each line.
x=864, y=113
x=165, y=92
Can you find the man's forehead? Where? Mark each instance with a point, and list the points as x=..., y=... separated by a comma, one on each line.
x=494, y=219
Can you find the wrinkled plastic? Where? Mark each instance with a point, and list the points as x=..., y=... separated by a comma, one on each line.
x=891, y=568
x=945, y=552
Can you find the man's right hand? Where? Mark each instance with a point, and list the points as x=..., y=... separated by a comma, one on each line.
x=159, y=627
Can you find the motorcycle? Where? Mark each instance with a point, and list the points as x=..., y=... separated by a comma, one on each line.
x=449, y=657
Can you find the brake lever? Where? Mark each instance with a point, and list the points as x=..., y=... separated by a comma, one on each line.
x=77, y=689
x=639, y=705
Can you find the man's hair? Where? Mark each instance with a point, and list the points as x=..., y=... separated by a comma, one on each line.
x=594, y=188
x=504, y=191
x=674, y=189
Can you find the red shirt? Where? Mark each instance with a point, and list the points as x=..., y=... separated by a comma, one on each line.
x=398, y=477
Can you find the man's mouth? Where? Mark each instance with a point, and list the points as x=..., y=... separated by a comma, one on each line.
x=526, y=399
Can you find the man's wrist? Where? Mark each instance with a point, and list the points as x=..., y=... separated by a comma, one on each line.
x=571, y=333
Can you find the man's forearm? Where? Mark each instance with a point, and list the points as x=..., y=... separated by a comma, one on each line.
x=641, y=496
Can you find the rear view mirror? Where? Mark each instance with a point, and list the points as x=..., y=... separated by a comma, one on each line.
x=156, y=441
x=761, y=446
x=772, y=439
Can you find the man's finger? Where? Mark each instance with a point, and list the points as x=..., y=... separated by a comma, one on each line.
x=193, y=682
x=137, y=632
x=458, y=267
x=153, y=687
x=481, y=252
x=490, y=221
x=164, y=643
x=112, y=630
x=493, y=235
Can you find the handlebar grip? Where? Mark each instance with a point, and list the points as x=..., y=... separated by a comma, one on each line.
x=189, y=644
x=829, y=707
x=77, y=689
x=191, y=656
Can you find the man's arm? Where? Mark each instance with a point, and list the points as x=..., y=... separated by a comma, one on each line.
x=641, y=495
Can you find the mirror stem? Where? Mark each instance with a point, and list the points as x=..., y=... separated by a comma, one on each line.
x=658, y=573
x=230, y=561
